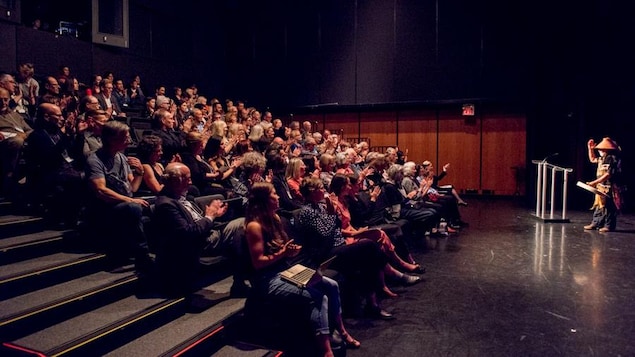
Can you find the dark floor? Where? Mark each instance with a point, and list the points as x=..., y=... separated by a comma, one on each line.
x=510, y=285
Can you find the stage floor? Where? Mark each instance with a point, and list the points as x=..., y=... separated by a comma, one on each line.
x=510, y=285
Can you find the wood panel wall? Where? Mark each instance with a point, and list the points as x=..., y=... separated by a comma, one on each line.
x=487, y=152
x=418, y=133
x=459, y=145
x=504, y=143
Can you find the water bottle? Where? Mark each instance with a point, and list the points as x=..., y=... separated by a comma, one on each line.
x=443, y=226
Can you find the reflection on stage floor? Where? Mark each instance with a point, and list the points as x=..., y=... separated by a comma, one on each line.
x=511, y=285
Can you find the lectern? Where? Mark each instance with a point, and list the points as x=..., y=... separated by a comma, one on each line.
x=542, y=184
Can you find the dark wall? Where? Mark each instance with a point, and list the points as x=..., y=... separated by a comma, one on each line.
x=367, y=51
x=167, y=47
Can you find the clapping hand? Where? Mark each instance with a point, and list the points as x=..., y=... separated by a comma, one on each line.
x=291, y=249
x=215, y=209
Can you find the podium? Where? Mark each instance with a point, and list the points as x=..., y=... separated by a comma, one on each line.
x=542, y=184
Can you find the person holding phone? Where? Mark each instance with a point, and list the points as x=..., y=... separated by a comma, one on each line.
x=272, y=251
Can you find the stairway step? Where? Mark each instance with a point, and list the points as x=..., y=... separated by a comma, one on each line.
x=28, y=275
x=12, y=225
x=245, y=350
x=6, y=207
x=30, y=245
x=35, y=310
x=198, y=327
x=98, y=328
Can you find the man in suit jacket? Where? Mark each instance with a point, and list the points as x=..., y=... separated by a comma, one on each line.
x=185, y=230
x=107, y=101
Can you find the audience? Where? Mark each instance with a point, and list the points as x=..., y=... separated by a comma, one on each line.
x=276, y=174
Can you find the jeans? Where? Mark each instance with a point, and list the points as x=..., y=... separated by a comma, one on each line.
x=321, y=297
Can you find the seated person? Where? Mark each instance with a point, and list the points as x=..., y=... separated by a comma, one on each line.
x=425, y=195
x=341, y=193
x=271, y=251
x=113, y=178
x=277, y=165
x=427, y=166
x=215, y=154
x=88, y=141
x=204, y=178
x=50, y=169
x=295, y=173
x=361, y=262
x=164, y=126
x=185, y=231
x=361, y=205
x=423, y=219
x=341, y=188
x=149, y=152
x=13, y=132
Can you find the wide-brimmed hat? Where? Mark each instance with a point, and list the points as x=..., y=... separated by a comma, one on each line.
x=607, y=144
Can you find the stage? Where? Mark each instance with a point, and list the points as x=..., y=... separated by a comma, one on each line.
x=511, y=285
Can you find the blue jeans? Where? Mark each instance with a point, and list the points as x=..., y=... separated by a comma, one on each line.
x=323, y=297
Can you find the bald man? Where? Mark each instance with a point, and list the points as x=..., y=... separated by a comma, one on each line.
x=185, y=232
x=51, y=169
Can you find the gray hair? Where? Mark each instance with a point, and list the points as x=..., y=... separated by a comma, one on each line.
x=340, y=158
x=393, y=170
x=254, y=160
x=409, y=168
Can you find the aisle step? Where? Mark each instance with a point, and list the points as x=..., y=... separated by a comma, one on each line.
x=200, y=328
x=30, y=245
x=27, y=313
x=29, y=275
x=97, y=331
x=13, y=225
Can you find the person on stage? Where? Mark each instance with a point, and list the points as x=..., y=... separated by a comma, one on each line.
x=607, y=180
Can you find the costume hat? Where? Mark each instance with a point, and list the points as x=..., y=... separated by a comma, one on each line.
x=607, y=144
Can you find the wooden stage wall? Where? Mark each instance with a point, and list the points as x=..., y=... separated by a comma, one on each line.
x=487, y=152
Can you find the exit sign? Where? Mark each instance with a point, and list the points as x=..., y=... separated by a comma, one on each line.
x=468, y=109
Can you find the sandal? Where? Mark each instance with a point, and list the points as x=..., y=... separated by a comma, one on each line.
x=350, y=341
x=418, y=269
